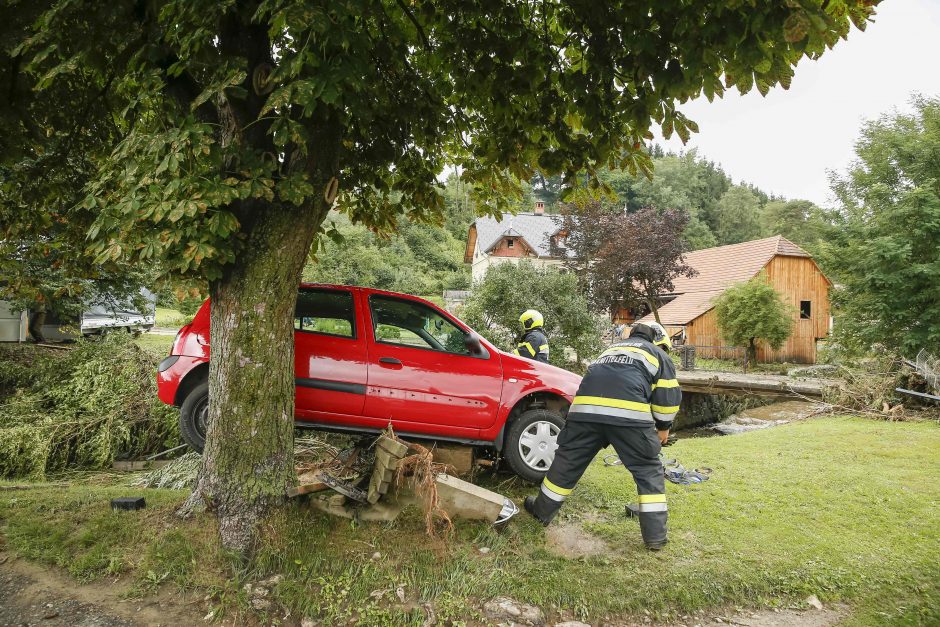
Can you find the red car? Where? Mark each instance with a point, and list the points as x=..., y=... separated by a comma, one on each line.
x=364, y=357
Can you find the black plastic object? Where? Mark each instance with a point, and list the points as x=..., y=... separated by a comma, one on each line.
x=129, y=503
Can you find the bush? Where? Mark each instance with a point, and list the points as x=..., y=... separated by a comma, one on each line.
x=79, y=409
x=508, y=289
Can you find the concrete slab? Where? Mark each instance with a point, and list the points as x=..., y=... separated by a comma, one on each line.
x=462, y=499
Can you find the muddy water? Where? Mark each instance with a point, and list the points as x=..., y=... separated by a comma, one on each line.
x=784, y=410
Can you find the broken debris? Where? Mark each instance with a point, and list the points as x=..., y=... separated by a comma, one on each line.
x=397, y=480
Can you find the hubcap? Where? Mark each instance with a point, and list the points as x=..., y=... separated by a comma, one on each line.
x=538, y=443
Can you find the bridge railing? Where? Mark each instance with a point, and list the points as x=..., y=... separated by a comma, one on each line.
x=715, y=358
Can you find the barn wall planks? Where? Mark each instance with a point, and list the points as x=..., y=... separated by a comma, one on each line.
x=797, y=279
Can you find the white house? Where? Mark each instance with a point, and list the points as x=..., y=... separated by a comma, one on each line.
x=537, y=237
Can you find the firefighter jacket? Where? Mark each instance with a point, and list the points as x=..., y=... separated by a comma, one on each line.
x=632, y=383
x=534, y=345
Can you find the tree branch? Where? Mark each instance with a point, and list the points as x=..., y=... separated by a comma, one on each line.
x=413, y=20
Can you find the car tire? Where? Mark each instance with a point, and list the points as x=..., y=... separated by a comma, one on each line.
x=193, y=417
x=531, y=443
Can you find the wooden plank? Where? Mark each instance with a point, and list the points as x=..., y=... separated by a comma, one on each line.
x=393, y=447
x=307, y=488
x=759, y=385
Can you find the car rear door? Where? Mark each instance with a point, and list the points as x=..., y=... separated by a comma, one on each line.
x=422, y=377
x=330, y=354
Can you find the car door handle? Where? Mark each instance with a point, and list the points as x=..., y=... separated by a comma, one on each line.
x=390, y=362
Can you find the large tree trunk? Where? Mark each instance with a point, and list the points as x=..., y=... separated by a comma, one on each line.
x=248, y=459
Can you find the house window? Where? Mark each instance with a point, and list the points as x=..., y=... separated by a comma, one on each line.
x=806, y=310
x=509, y=243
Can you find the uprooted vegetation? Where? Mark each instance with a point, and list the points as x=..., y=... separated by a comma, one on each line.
x=869, y=386
x=80, y=408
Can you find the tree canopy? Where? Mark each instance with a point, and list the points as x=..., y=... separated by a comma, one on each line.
x=885, y=255
x=753, y=312
x=195, y=111
x=625, y=259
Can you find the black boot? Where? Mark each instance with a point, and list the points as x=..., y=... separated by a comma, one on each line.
x=656, y=546
x=537, y=509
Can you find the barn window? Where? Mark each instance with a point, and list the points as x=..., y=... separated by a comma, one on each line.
x=510, y=242
x=806, y=310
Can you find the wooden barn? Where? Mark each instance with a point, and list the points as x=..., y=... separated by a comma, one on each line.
x=791, y=271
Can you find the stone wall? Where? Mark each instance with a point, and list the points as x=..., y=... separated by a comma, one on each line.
x=698, y=410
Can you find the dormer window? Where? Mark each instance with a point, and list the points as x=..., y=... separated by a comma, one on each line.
x=510, y=242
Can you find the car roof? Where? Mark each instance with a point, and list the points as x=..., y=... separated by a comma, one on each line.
x=369, y=290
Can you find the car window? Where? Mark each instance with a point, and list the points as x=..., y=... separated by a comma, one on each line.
x=408, y=323
x=325, y=311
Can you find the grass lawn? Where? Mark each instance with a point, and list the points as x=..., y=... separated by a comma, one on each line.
x=843, y=508
x=172, y=318
x=734, y=365
x=159, y=345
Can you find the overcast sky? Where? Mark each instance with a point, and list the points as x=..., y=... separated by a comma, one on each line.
x=787, y=141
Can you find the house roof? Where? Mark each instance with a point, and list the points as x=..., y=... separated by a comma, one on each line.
x=535, y=228
x=718, y=269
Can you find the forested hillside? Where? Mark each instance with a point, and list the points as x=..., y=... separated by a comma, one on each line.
x=426, y=259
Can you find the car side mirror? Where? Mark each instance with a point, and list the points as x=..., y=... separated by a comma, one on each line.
x=474, y=345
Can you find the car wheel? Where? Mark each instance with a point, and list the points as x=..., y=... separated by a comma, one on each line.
x=194, y=417
x=531, y=443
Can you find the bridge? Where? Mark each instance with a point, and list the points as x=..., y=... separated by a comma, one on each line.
x=739, y=384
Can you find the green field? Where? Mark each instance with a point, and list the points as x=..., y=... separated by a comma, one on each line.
x=844, y=508
x=171, y=318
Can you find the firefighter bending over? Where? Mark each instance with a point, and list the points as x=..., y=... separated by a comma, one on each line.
x=534, y=342
x=627, y=399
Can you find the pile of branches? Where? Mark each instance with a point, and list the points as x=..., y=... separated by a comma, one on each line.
x=311, y=455
x=869, y=387
x=80, y=409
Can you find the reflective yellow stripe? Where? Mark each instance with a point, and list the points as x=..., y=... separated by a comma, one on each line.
x=610, y=402
x=543, y=348
x=516, y=352
x=554, y=488
x=526, y=345
x=632, y=349
x=666, y=383
x=652, y=498
x=665, y=410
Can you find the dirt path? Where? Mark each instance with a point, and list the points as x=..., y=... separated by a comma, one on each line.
x=33, y=595
x=826, y=617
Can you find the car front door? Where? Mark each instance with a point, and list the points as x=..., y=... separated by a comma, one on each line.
x=423, y=377
x=330, y=355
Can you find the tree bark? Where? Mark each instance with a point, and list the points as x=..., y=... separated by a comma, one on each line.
x=652, y=304
x=248, y=458
x=751, y=357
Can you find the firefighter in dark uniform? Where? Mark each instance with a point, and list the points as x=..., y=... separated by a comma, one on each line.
x=534, y=342
x=627, y=399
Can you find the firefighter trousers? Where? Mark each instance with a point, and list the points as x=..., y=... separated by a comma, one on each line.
x=638, y=448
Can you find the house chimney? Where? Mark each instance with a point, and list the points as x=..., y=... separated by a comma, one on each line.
x=539, y=207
